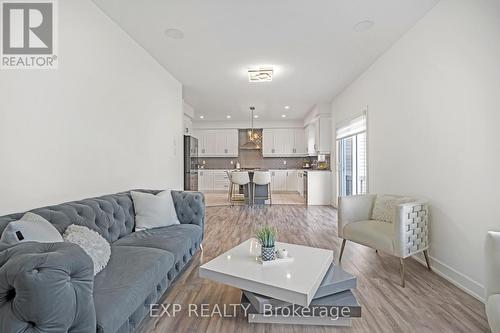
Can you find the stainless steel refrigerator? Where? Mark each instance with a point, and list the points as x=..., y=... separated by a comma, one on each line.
x=190, y=163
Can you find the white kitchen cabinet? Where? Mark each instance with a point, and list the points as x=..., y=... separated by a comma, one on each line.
x=213, y=180
x=300, y=182
x=205, y=180
x=278, y=180
x=318, y=135
x=221, y=181
x=299, y=139
x=291, y=180
x=283, y=142
x=217, y=143
x=319, y=187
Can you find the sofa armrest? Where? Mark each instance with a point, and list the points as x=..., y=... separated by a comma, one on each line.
x=46, y=287
x=411, y=228
x=190, y=207
x=353, y=209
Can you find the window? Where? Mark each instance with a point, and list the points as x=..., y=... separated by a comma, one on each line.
x=351, y=157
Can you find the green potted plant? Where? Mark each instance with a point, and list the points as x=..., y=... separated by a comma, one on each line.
x=266, y=236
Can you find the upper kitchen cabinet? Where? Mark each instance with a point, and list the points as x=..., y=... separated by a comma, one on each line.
x=319, y=135
x=283, y=142
x=217, y=143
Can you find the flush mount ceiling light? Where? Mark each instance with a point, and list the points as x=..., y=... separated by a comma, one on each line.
x=363, y=25
x=174, y=33
x=228, y=116
x=287, y=107
x=256, y=116
x=202, y=117
x=283, y=116
x=261, y=74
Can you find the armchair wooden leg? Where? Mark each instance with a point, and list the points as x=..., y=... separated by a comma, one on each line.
x=426, y=255
x=342, y=249
x=402, y=269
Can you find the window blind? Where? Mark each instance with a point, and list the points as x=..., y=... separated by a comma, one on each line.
x=354, y=126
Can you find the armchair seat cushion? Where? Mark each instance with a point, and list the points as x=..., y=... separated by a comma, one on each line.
x=375, y=234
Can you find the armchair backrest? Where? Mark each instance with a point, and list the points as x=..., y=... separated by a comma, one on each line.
x=492, y=255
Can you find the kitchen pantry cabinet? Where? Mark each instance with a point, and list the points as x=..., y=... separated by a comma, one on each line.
x=283, y=142
x=217, y=143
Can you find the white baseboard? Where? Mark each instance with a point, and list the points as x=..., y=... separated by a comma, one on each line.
x=465, y=283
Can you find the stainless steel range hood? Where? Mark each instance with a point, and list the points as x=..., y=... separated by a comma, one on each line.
x=250, y=145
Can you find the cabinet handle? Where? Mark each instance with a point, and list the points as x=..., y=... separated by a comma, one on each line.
x=203, y=151
x=225, y=150
x=273, y=151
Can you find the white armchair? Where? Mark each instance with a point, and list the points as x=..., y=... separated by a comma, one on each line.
x=403, y=234
x=492, y=254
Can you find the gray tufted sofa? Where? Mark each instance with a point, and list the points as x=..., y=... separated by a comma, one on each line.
x=50, y=288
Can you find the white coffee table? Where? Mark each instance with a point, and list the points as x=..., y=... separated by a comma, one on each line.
x=295, y=282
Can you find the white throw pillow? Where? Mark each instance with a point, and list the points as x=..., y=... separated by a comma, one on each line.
x=385, y=207
x=92, y=243
x=30, y=228
x=154, y=211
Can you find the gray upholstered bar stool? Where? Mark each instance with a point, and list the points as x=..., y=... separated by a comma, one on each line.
x=262, y=178
x=239, y=178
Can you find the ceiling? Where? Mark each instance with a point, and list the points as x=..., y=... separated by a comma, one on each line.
x=313, y=45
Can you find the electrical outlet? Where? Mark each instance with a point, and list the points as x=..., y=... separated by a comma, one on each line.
x=284, y=162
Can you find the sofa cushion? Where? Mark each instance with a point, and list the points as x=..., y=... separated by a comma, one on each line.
x=131, y=274
x=176, y=239
x=375, y=234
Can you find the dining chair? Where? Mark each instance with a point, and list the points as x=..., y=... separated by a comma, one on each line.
x=239, y=178
x=262, y=178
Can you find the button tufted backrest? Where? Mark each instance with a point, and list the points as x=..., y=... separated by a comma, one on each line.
x=112, y=216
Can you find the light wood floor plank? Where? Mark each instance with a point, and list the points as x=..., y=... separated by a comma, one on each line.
x=429, y=303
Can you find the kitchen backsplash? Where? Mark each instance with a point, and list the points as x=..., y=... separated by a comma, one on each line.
x=254, y=159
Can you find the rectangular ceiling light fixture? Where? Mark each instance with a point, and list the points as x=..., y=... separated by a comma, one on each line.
x=260, y=74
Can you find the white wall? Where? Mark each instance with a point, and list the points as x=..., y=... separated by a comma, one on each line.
x=105, y=121
x=433, y=128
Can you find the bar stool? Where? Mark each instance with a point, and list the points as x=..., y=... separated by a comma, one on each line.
x=262, y=178
x=239, y=178
x=229, y=173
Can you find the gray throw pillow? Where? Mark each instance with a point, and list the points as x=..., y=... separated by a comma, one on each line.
x=92, y=243
x=154, y=211
x=30, y=228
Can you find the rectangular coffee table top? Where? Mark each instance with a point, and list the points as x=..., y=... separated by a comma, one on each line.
x=295, y=282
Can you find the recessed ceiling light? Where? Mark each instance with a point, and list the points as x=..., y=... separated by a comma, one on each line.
x=228, y=116
x=256, y=116
x=287, y=107
x=202, y=117
x=364, y=25
x=261, y=74
x=174, y=33
x=283, y=116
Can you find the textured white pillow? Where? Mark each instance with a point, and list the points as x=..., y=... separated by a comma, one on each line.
x=92, y=243
x=154, y=211
x=385, y=207
x=30, y=228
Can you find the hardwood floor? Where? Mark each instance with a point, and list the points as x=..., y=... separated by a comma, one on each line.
x=427, y=304
x=220, y=199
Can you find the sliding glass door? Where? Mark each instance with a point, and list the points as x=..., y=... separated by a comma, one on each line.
x=351, y=158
